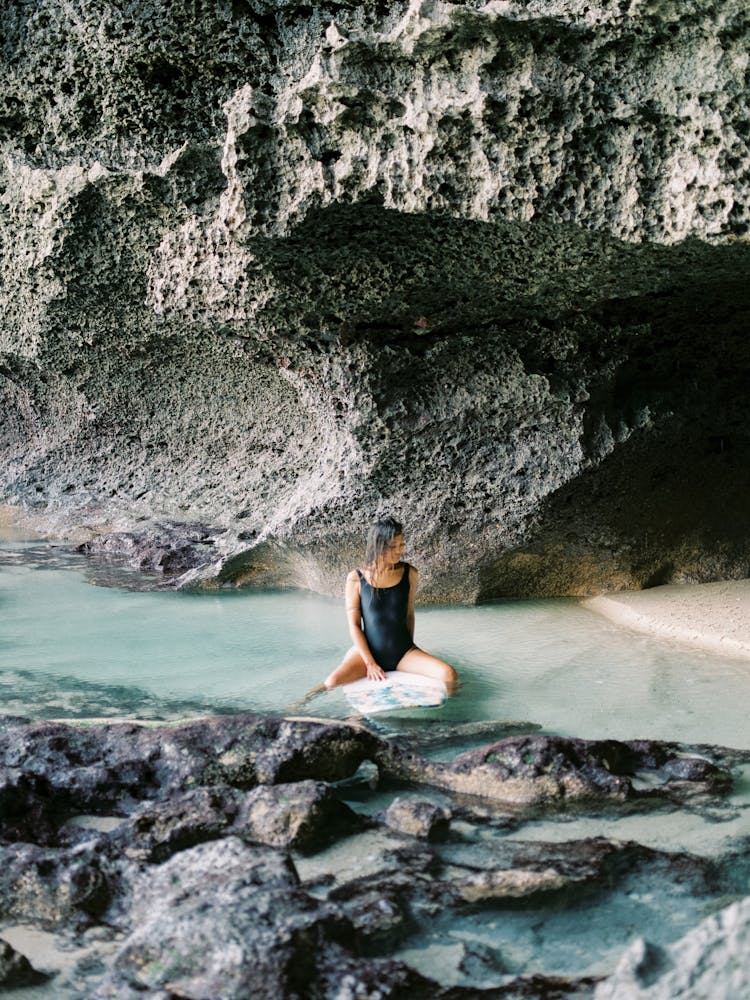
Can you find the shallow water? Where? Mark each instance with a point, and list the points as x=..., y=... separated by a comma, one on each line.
x=71, y=649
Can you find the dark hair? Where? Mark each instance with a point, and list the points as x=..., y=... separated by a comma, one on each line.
x=381, y=533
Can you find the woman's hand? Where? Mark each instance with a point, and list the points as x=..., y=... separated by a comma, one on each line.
x=374, y=672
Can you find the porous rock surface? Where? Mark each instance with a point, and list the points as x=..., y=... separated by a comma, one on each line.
x=523, y=771
x=186, y=867
x=270, y=268
x=712, y=962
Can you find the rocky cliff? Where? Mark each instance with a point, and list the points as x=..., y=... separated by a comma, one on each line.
x=276, y=267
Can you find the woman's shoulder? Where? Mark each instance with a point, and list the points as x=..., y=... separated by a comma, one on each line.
x=412, y=571
x=353, y=576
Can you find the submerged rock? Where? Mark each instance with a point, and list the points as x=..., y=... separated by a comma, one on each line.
x=711, y=962
x=523, y=771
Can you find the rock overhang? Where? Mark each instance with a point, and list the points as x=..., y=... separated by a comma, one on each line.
x=360, y=258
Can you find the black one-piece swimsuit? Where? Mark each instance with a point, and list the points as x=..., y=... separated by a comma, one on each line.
x=385, y=613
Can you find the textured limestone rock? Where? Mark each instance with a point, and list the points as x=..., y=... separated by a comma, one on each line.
x=712, y=962
x=192, y=905
x=202, y=928
x=113, y=766
x=417, y=818
x=156, y=831
x=275, y=267
x=53, y=888
x=229, y=920
x=165, y=548
x=305, y=815
x=523, y=771
x=27, y=806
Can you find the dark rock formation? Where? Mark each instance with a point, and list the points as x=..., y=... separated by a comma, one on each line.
x=112, y=767
x=523, y=771
x=59, y=887
x=194, y=884
x=223, y=919
x=26, y=806
x=274, y=267
x=99, y=768
x=157, y=830
x=305, y=815
x=168, y=548
x=417, y=818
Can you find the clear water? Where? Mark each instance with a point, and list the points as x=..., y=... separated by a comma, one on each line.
x=72, y=649
x=69, y=648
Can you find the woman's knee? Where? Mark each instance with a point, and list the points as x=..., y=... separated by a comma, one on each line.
x=450, y=677
x=335, y=677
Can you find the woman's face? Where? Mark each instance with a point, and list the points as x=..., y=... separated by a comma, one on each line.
x=394, y=550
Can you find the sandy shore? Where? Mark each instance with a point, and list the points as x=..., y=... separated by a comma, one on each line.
x=710, y=616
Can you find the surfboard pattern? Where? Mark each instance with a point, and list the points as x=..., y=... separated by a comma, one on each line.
x=399, y=690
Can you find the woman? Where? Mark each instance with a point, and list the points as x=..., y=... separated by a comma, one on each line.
x=380, y=609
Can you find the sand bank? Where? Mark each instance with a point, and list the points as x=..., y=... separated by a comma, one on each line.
x=710, y=616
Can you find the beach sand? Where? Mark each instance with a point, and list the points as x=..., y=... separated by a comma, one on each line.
x=710, y=616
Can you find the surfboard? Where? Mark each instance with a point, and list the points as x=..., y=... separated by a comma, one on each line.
x=398, y=691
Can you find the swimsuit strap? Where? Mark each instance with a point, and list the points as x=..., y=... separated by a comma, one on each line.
x=404, y=576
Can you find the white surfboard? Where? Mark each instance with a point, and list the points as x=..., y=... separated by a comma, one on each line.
x=398, y=691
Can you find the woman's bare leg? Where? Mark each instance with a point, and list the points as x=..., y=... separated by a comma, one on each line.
x=351, y=668
x=416, y=661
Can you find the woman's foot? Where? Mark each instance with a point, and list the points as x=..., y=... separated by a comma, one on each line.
x=312, y=693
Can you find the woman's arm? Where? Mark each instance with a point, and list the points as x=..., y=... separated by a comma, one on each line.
x=413, y=582
x=354, y=615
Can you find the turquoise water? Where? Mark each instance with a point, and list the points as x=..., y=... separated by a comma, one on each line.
x=72, y=649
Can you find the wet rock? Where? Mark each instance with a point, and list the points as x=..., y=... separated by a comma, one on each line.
x=477, y=962
x=711, y=962
x=546, y=988
x=103, y=768
x=509, y=885
x=512, y=870
x=417, y=818
x=577, y=860
x=435, y=735
x=223, y=920
x=166, y=547
x=304, y=815
x=15, y=969
x=27, y=807
x=380, y=915
x=345, y=978
x=535, y=770
x=59, y=887
x=156, y=831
